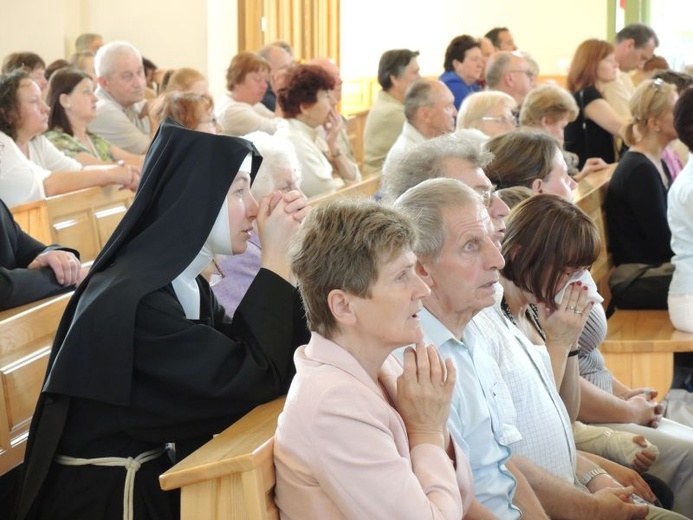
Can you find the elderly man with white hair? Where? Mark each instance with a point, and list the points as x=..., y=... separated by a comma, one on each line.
x=280, y=170
x=120, y=118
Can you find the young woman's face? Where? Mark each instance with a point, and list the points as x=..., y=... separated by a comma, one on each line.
x=242, y=212
x=607, y=69
x=80, y=104
x=558, y=182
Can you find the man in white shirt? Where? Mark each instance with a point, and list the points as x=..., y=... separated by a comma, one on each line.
x=120, y=117
x=634, y=45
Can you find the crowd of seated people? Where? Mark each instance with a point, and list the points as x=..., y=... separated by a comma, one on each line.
x=491, y=413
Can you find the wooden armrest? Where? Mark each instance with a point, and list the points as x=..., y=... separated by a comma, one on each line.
x=363, y=189
x=241, y=447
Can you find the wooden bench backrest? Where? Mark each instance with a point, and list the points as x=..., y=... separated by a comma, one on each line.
x=26, y=336
x=355, y=123
x=589, y=197
x=364, y=189
x=232, y=476
x=83, y=220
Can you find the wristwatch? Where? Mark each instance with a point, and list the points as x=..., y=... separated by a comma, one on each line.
x=590, y=475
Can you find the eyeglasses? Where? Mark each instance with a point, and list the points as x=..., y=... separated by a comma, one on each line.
x=488, y=195
x=507, y=120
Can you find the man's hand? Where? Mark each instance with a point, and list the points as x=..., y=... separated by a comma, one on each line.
x=64, y=264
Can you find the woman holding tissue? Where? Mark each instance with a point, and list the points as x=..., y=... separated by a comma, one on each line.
x=603, y=398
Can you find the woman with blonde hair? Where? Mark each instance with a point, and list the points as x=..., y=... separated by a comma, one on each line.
x=490, y=112
x=591, y=134
x=184, y=79
x=550, y=108
x=189, y=109
x=636, y=202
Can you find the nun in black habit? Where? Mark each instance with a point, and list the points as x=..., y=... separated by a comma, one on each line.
x=144, y=354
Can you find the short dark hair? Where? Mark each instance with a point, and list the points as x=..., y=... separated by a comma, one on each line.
x=301, y=87
x=393, y=63
x=639, y=32
x=9, y=104
x=63, y=81
x=544, y=235
x=680, y=80
x=683, y=117
x=457, y=50
x=27, y=61
x=494, y=35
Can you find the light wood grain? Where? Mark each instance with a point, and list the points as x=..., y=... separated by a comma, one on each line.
x=364, y=189
x=26, y=336
x=232, y=476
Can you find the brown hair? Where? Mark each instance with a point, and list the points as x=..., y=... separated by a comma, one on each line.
x=583, y=67
x=520, y=157
x=301, y=86
x=187, y=108
x=27, y=61
x=549, y=101
x=544, y=236
x=243, y=64
x=9, y=102
x=63, y=81
x=181, y=79
x=342, y=245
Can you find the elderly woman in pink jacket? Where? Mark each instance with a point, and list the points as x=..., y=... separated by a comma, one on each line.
x=360, y=435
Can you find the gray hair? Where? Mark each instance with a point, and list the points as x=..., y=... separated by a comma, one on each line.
x=419, y=94
x=427, y=161
x=104, y=61
x=425, y=205
x=496, y=66
x=278, y=154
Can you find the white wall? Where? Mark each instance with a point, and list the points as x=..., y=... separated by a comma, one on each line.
x=203, y=33
x=550, y=30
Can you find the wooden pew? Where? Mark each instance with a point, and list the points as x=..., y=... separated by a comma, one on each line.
x=26, y=336
x=82, y=220
x=640, y=345
x=355, y=123
x=232, y=476
x=364, y=189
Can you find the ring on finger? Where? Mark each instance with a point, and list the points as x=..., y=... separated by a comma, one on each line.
x=579, y=312
x=571, y=308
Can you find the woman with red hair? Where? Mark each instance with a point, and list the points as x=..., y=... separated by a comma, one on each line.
x=306, y=101
x=591, y=134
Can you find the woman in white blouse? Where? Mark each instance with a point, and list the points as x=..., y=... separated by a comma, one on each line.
x=240, y=111
x=31, y=168
x=307, y=103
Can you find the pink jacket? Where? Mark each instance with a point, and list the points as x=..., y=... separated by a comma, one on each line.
x=341, y=450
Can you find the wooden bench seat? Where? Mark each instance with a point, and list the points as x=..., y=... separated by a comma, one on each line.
x=232, y=476
x=26, y=337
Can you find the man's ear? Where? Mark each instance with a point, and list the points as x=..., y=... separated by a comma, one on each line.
x=340, y=304
x=103, y=83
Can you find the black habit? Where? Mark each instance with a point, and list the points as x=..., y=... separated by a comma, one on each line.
x=128, y=371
